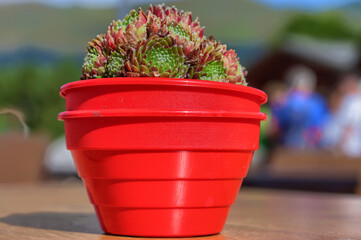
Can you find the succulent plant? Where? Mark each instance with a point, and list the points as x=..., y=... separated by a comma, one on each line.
x=173, y=17
x=128, y=32
x=157, y=57
x=163, y=42
x=179, y=26
x=95, y=61
x=115, y=64
x=215, y=63
x=235, y=73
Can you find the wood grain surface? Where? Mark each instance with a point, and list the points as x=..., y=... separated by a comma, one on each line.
x=62, y=211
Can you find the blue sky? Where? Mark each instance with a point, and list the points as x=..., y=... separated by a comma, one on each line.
x=81, y=3
x=312, y=5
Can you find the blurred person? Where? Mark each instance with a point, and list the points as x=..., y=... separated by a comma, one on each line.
x=303, y=114
x=276, y=91
x=343, y=132
x=269, y=134
x=261, y=155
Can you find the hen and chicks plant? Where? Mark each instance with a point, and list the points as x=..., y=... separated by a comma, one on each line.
x=162, y=42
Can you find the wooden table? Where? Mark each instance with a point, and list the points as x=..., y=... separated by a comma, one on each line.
x=62, y=211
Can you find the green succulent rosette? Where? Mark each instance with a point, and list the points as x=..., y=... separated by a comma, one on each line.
x=95, y=61
x=157, y=57
x=128, y=32
x=216, y=63
x=162, y=42
x=115, y=64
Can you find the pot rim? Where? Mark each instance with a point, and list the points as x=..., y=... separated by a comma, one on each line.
x=162, y=81
x=159, y=113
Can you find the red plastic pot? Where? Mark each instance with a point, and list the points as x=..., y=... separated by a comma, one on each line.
x=161, y=157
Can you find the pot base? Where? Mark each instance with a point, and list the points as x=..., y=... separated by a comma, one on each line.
x=178, y=222
x=162, y=193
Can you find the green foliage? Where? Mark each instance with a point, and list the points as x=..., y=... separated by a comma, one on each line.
x=35, y=91
x=327, y=26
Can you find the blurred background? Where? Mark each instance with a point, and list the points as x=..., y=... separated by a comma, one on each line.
x=304, y=54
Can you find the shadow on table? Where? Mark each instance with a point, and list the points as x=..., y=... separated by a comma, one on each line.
x=71, y=222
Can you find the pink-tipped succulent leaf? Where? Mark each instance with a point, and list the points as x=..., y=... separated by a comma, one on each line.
x=157, y=57
x=163, y=42
x=95, y=61
x=178, y=25
x=216, y=63
x=128, y=32
x=235, y=73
